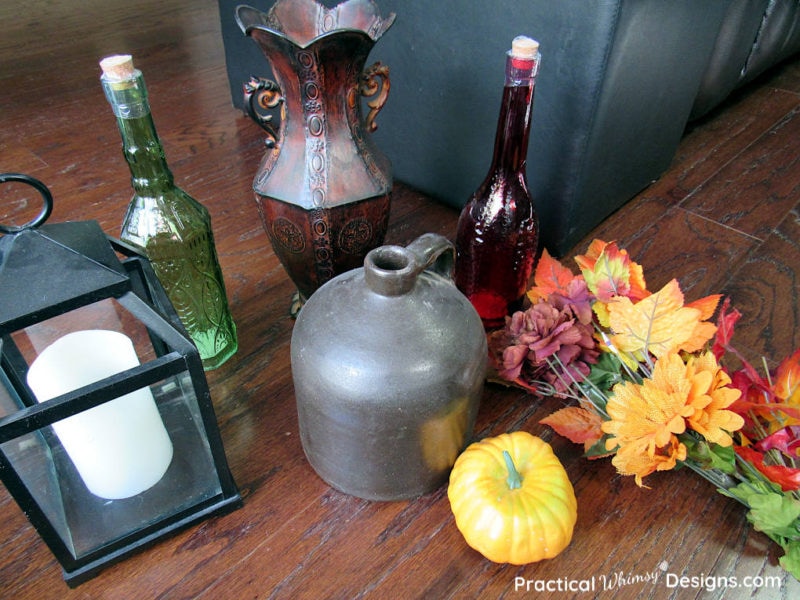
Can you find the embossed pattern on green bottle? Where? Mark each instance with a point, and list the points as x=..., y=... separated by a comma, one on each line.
x=171, y=228
x=189, y=270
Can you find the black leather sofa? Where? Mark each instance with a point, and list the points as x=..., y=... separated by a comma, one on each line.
x=619, y=81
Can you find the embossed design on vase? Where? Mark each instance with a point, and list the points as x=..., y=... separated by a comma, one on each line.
x=323, y=187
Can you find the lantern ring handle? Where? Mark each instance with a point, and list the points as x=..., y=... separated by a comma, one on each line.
x=47, y=197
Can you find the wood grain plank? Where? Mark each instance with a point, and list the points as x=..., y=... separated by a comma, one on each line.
x=766, y=289
x=759, y=187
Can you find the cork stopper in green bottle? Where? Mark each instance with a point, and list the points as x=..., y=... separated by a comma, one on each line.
x=118, y=67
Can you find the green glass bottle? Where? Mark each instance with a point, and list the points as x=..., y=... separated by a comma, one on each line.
x=170, y=227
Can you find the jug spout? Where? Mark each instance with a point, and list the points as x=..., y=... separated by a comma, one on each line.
x=393, y=270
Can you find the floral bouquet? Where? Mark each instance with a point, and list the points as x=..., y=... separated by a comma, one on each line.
x=646, y=376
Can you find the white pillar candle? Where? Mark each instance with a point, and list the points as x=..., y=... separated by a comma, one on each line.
x=120, y=448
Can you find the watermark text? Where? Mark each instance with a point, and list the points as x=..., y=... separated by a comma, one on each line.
x=618, y=580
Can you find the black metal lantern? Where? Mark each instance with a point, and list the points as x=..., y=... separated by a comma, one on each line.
x=108, y=438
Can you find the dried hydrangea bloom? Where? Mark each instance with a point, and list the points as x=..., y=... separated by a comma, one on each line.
x=535, y=340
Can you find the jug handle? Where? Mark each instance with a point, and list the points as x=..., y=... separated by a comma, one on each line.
x=374, y=80
x=435, y=253
x=267, y=95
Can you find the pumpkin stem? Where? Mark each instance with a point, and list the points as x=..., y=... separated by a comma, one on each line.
x=514, y=479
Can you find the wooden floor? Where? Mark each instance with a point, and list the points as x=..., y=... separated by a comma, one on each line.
x=725, y=217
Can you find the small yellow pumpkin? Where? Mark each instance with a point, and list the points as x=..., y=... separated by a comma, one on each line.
x=512, y=499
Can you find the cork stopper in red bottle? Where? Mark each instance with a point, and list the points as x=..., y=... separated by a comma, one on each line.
x=524, y=51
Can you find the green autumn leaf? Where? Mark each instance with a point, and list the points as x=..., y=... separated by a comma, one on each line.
x=791, y=560
x=606, y=372
x=744, y=491
x=774, y=514
x=710, y=456
x=598, y=450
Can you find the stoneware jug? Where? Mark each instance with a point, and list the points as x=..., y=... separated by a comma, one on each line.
x=323, y=187
x=388, y=363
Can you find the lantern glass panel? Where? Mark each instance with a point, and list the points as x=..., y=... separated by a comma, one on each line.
x=107, y=314
x=94, y=480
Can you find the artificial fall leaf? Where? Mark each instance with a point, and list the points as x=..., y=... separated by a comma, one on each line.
x=774, y=514
x=549, y=277
x=772, y=415
x=787, y=380
x=593, y=252
x=609, y=272
x=658, y=324
x=755, y=388
x=791, y=560
x=704, y=330
x=726, y=323
x=707, y=306
x=760, y=405
x=578, y=425
x=609, y=275
x=786, y=477
x=786, y=440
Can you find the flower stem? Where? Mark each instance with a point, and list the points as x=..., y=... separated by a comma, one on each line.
x=713, y=476
x=514, y=479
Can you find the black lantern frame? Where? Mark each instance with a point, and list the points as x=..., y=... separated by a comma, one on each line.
x=48, y=271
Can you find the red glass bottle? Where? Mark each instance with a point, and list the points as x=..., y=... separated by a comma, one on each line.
x=498, y=229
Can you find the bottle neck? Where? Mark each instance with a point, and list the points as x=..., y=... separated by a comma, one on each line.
x=514, y=123
x=140, y=144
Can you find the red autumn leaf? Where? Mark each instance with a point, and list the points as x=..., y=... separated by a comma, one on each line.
x=759, y=401
x=787, y=440
x=765, y=409
x=786, y=477
x=753, y=386
x=725, y=326
x=578, y=425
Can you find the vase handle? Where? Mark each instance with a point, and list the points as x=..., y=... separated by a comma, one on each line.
x=267, y=95
x=374, y=80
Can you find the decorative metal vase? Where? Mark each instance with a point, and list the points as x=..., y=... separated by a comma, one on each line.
x=323, y=188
